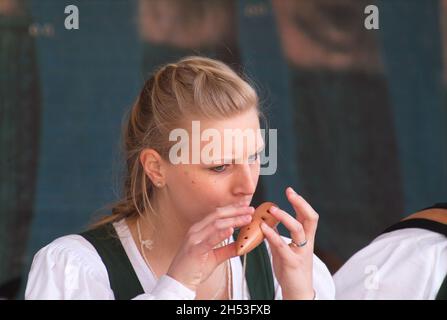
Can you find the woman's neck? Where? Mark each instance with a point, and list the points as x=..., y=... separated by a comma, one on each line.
x=166, y=230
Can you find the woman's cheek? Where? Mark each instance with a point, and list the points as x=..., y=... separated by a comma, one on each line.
x=216, y=192
x=256, y=171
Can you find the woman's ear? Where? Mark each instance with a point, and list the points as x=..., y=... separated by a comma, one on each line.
x=153, y=166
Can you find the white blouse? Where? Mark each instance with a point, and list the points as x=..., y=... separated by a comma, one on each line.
x=70, y=268
x=407, y=264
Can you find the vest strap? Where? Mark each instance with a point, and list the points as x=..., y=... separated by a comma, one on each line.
x=122, y=277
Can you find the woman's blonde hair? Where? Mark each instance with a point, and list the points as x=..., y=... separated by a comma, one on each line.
x=194, y=86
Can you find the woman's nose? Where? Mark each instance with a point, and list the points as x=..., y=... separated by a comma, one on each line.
x=244, y=182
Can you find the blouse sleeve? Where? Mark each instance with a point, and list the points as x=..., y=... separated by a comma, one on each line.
x=404, y=264
x=70, y=268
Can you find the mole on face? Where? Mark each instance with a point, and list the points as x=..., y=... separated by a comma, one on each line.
x=193, y=182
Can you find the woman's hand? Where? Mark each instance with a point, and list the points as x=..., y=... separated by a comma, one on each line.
x=197, y=258
x=293, y=264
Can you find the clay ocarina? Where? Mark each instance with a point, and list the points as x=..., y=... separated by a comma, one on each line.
x=251, y=235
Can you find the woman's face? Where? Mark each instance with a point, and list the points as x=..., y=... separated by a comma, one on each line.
x=197, y=189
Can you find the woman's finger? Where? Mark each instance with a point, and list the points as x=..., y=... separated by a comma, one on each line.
x=233, y=222
x=294, y=226
x=221, y=213
x=225, y=252
x=214, y=233
x=276, y=242
x=210, y=238
x=305, y=214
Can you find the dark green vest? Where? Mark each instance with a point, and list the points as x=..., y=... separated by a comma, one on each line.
x=124, y=281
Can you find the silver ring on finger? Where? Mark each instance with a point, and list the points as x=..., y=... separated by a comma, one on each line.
x=298, y=245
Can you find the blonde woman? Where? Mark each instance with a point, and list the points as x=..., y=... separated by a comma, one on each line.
x=171, y=236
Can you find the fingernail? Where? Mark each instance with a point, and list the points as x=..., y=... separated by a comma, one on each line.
x=273, y=209
x=293, y=192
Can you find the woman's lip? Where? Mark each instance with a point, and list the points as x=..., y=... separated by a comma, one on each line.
x=236, y=205
x=243, y=204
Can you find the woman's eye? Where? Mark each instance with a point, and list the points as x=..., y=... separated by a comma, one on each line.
x=219, y=168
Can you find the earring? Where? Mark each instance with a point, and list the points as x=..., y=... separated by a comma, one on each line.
x=159, y=184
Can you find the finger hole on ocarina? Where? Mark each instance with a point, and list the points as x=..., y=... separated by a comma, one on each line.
x=252, y=235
